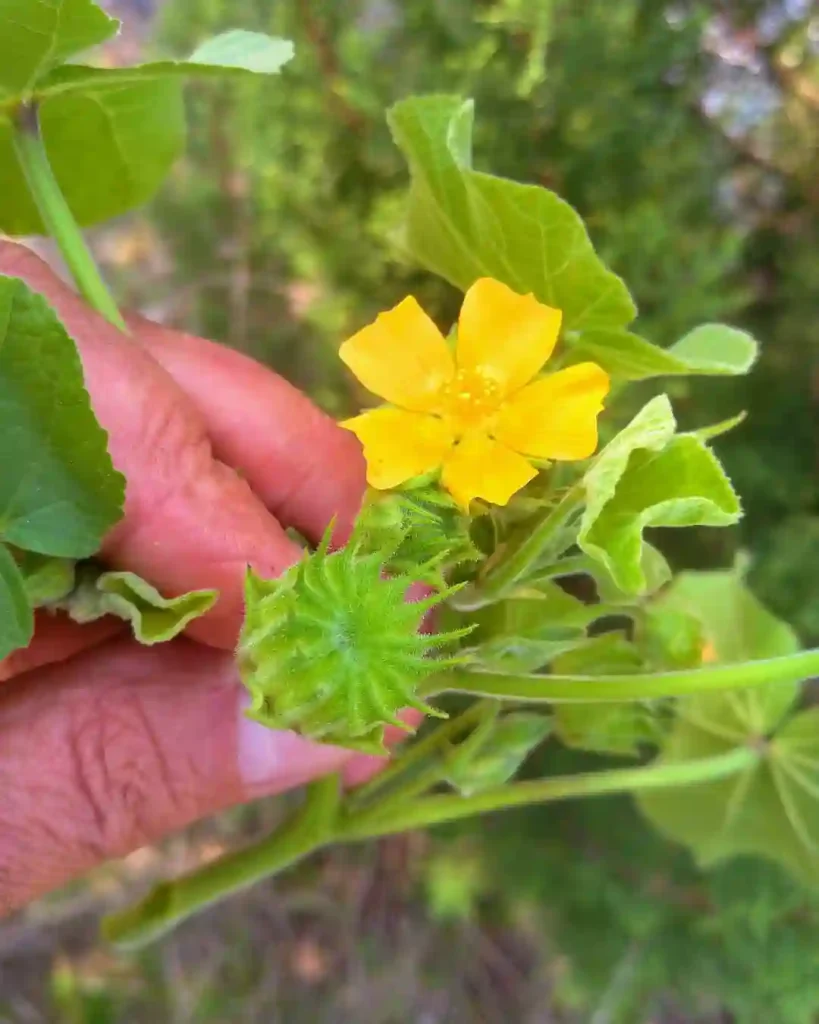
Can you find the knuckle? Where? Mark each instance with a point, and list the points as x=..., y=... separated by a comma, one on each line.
x=339, y=449
x=120, y=774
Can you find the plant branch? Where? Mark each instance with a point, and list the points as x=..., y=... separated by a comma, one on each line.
x=628, y=686
x=169, y=903
x=523, y=555
x=435, y=810
x=57, y=216
x=421, y=762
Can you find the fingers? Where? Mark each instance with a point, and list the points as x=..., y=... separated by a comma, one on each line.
x=190, y=521
x=122, y=745
x=304, y=467
x=57, y=638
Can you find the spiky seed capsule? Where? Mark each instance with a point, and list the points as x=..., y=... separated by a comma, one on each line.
x=332, y=649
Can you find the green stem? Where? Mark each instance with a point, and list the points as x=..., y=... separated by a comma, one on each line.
x=58, y=218
x=171, y=902
x=434, y=810
x=629, y=686
x=420, y=762
x=573, y=565
x=523, y=555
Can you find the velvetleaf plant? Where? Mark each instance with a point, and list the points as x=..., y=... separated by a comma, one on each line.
x=489, y=488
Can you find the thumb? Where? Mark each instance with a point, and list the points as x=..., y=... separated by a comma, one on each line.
x=122, y=745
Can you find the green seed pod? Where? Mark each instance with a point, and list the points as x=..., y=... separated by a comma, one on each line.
x=332, y=649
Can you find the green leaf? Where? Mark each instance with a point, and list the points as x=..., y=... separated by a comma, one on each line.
x=612, y=728
x=656, y=573
x=720, y=427
x=47, y=580
x=59, y=493
x=16, y=618
x=112, y=134
x=109, y=149
x=154, y=619
x=651, y=429
x=608, y=654
x=620, y=729
x=501, y=748
x=772, y=808
x=463, y=224
x=681, y=485
x=232, y=53
x=530, y=628
x=239, y=50
x=36, y=35
x=670, y=638
x=713, y=349
x=734, y=622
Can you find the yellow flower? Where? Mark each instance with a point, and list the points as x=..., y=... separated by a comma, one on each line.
x=478, y=415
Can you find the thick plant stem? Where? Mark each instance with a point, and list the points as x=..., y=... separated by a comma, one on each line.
x=424, y=760
x=322, y=820
x=58, y=218
x=790, y=668
x=534, y=546
x=171, y=902
x=434, y=810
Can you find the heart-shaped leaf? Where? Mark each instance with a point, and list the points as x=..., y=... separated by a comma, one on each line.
x=462, y=224
x=59, y=493
x=109, y=149
x=112, y=134
x=36, y=35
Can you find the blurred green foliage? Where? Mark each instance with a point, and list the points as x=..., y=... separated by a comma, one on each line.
x=685, y=135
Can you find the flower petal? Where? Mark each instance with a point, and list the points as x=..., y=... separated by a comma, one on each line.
x=556, y=417
x=402, y=357
x=506, y=336
x=399, y=445
x=482, y=468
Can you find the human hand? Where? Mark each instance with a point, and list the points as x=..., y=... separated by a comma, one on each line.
x=104, y=745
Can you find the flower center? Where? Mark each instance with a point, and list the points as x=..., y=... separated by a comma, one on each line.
x=469, y=399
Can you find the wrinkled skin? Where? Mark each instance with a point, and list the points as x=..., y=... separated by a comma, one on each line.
x=105, y=746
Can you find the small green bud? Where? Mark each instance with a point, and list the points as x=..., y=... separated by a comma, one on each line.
x=332, y=649
x=421, y=530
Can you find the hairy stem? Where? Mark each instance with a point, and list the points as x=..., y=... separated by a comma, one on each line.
x=523, y=555
x=628, y=686
x=434, y=810
x=58, y=218
x=421, y=763
x=169, y=903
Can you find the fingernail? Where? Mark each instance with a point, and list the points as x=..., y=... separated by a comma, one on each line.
x=271, y=760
